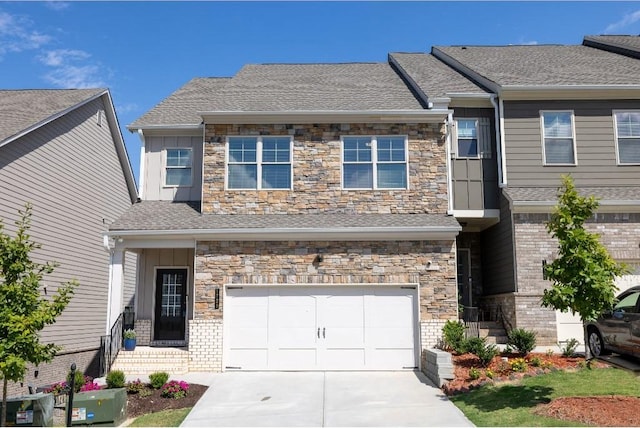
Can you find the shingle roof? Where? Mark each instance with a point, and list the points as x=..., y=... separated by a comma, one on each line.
x=433, y=77
x=550, y=194
x=546, y=65
x=181, y=107
x=22, y=109
x=286, y=87
x=165, y=216
x=626, y=45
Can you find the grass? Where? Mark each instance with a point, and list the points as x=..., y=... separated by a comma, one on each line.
x=165, y=418
x=512, y=405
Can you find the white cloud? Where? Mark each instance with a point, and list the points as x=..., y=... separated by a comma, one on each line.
x=57, y=5
x=68, y=70
x=628, y=19
x=530, y=43
x=127, y=108
x=16, y=34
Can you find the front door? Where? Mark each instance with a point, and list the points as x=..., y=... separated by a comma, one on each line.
x=171, y=304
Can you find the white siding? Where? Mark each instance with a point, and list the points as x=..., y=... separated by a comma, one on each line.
x=69, y=170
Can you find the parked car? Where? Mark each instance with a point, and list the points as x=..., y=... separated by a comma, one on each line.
x=618, y=330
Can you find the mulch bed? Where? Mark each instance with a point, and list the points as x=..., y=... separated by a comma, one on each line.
x=604, y=411
x=139, y=404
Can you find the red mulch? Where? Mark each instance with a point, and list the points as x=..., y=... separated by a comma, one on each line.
x=595, y=411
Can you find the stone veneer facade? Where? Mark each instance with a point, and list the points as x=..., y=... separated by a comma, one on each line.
x=618, y=232
x=317, y=181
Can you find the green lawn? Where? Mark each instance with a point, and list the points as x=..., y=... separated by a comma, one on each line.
x=512, y=405
x=166, y=418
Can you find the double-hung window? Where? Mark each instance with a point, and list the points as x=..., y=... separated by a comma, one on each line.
x=628, y=136
x=467, y=138
x=178, y=167
x=558, y=138
x=259, y=163
x=376, y=162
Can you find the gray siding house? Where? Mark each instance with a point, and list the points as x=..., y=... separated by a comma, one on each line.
x=561, y=110
x=62, y=151
x=299, y=216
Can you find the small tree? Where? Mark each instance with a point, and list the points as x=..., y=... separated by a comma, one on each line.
x=24, y=311
x=583, y=275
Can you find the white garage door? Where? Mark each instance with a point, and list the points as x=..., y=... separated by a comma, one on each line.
x=320, y=328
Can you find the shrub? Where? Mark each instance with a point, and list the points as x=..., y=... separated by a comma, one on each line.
x=549, y=353
x=479, y=347
x=489, y=373
x=522, y=340
x=175, y=389
x=135, y=386
x=453, y=333
x=474, y=373
x=115, y=379
x=536, y=362
x=129, y=334
x=569, y=348
x=79, y=380
x=519, y=365
x=158, y=379
x=57, y=388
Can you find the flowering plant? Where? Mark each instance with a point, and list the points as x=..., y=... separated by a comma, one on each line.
x=175, y=389
x=90, y=386
x=58, y=388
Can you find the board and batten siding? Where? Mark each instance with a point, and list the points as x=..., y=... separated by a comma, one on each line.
x=151, y=258
x=130, y=275
x=498, y=255
x=595, y=144
x=154, y=188
x=70, y=171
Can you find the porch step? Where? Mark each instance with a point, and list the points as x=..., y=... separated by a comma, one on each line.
x=145, y=360
x=493, y=331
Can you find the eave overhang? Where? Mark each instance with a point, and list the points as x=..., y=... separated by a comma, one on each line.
x=435, y=233
x=345, y=116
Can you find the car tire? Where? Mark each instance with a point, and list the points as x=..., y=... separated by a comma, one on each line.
x=596, y=344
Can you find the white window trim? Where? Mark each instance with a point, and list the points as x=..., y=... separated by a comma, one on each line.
x=374, y=162
x=165, y=167
x=259, y=163
x=573, y=136
x=457, y=148
x=616, y=138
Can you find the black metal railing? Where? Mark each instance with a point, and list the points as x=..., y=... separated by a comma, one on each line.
x=470, y=319
x=110, y=345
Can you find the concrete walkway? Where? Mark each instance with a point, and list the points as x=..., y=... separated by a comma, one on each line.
x=321, y=399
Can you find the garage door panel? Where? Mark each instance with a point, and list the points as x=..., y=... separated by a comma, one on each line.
x=321, y=328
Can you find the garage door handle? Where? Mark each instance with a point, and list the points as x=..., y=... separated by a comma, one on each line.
x=323, y=331
x=318, y=332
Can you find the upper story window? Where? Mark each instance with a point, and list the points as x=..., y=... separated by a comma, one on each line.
x=558, y=138
x=259, y=163
x=376, y=162
x=628, y=136
x=472, y=138
x=178, y=167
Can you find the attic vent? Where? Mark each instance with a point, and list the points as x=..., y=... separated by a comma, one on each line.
x=99, y=118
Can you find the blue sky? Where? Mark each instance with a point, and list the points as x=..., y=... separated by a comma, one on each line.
x=143, y=51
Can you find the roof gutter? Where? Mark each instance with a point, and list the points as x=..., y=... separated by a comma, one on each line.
x=284, y=234
x=133, y=129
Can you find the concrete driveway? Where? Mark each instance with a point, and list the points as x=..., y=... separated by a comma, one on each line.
x=323, y=399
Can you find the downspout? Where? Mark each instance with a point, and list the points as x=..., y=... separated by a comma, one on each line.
x=500, y=148
x=142, y=164
x=448, y=126
x=107, y=247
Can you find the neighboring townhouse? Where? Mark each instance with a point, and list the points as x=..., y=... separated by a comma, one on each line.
x=562, y=110
x=62, y=151
x=298, y=216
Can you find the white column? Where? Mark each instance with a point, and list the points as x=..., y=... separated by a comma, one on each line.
x=116, y=283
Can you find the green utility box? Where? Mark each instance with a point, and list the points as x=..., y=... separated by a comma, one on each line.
x=35, y=410
x=101, y=407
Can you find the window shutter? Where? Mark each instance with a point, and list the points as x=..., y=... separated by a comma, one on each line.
x=484, y=137
x=454, y=139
